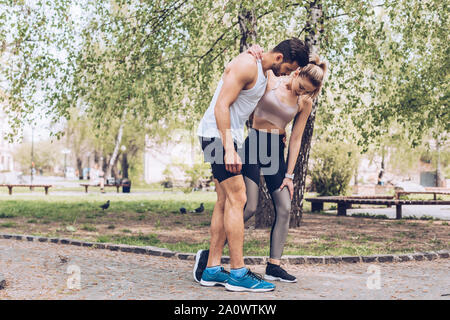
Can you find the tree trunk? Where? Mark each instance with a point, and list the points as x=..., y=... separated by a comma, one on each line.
x=314, y=27
x=115, y=153
x=104, y=163
x=80, y=167
x=96, y=157
x=440, y=182
x=125, y=166
x=115, y=170
x=265, y=213
x=301, y=170
x=247, y=27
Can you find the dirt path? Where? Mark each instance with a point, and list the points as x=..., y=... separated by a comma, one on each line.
x=39, y=271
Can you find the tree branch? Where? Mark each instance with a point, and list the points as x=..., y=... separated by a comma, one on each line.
x=346, y=14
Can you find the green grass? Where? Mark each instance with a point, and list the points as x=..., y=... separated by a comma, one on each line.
x=5, y=215
x=372, y=216
x=8, y=225
x=68, y=209
x=321, y=247
x=87, y=227
x=424, y=217
x=140, y=240
x=83, y=213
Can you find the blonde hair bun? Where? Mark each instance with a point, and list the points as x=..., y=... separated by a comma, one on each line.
x=315, y=59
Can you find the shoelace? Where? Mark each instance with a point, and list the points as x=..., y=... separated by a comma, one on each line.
x=225, y=271
x=280, y=269
x=254, y=275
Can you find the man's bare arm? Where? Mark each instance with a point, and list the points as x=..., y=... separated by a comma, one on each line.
x=239, y=73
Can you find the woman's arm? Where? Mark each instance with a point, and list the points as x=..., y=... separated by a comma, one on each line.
x=295, y=141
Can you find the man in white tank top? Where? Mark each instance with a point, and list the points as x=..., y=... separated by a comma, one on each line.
x=221, y=131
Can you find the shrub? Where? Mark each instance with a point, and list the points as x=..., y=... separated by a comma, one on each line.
x=195, y=173
x=4, y=215
x=333, y=165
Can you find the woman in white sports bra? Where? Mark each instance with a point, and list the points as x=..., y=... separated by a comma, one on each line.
x=285, y=98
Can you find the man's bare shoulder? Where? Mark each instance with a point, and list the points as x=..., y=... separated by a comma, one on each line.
x=245, y=65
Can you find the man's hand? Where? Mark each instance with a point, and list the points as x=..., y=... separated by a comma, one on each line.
x=256, y=51
x=290, y=184
x=233, y=162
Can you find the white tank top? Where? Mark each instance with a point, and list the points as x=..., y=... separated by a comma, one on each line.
x=240, y=110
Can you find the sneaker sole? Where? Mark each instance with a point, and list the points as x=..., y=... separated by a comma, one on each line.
x=211, y=283
x=267, y=277
x=197, y=260
x=230, y=287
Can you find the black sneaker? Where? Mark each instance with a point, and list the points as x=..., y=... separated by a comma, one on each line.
x=201, y=260
x=275, y=272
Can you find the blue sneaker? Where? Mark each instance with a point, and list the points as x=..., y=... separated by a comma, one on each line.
x=220, y=278
x=249, y=282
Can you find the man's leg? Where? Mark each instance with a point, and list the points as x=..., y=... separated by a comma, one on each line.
x=231, y=224
x=217, y=229
x=234, y=188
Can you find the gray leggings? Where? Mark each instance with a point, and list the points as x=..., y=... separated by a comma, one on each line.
x=282, y=204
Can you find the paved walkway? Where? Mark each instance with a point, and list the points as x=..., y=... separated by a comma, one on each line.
x=439, y=212
x=41, y=271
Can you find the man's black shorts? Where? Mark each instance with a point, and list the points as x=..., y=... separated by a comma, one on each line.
x=213, y=152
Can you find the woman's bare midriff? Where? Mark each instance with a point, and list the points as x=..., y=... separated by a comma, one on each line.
x=264, y=125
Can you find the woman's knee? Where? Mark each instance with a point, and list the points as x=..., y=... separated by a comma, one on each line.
x=251, y=206
x=283, y=212
x=250, y=210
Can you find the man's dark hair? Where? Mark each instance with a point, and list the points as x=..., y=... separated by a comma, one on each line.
x=293, y=50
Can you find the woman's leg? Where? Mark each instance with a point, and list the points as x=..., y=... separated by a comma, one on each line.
x=280, y=198
x=282, y=203
x=280, y=228
x=252, y=191
x=252, y=174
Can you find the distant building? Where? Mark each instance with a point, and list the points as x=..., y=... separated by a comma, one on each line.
x=160, y=159
x=6, y=149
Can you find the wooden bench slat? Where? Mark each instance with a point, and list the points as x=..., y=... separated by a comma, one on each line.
x=86, y=186
x=31, y=186
x=345, y=202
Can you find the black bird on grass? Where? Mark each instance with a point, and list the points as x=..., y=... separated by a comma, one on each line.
x=183, y=210
x=105, y=206
x=199, y=209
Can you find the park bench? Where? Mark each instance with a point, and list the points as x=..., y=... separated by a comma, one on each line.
x=87, y=185
x=31, y=186
x=398, y=194
x=317, y=202
x=169, y=185
x=344, y=203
